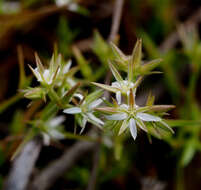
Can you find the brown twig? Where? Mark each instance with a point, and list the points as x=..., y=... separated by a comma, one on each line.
x=94, y=172
x=116, y=19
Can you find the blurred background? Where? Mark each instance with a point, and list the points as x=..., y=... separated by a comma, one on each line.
x=81, y=30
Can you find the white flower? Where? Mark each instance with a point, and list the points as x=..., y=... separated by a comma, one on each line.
x=52, y=130
x=71, y=6
x=62, y=2
x=132, y=116
x=120, y=87
x=46, y=77
x=86, y=112
x=123, y=87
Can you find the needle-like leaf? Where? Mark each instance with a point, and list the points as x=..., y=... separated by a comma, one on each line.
x=135, y=59
x=106, y=87
x=115, y=72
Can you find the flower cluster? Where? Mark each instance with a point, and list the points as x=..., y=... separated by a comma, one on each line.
x=128, y=114
x=57, y=82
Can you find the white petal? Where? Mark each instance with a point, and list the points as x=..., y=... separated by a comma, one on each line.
x=148, y=117
x=123, y=127
x=46, y=139
x=118, y=116
x=133, y=128
x=56, y=121
x=73, y=7
x=73, y=110
x=94, y=118
x=67, y=67
x=71, y=81
x=84, y=122
x=56, y=134
x=62, y=2
x=118, y=97
x=37, y=74
x=116, y=85
x=95, y=104
x=46, y=76
x=124, y=106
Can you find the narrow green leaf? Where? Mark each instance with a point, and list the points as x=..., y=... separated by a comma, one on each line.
x=106, y=87
x=39, y=64
x=93, y=96
x=115, y=72
x=83, y=63
x=110, y=110
x=137, y=83
x=135, y=59
x=118, y=53
x=150, y=100
x=22, y=79
x=188, y=153
x=183, y=123
x=149, y=66
x=70, y=93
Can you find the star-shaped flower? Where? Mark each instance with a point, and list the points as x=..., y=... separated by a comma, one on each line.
x=85, y=109
x=55, y=73
x=122, y=86
x=132, y=116
x=52, y=129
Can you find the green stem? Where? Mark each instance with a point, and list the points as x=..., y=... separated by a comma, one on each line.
x=7, y=103
x=54, y=97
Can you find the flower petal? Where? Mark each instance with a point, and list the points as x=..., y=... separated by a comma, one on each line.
x=56, y=121
x=36, y=73
x=118, y=116
x=95, y=103
x=67, y=67
x=133, y=128
x=118, y=97
x=84, y=122
x=46, y=139
x=123, y=127
x=47, y=76
x=95, y=119
x=147, y=117
x=56, y=134
x=73, y=110
x=116, y=84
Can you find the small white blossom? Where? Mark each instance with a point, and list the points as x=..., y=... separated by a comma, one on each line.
x=86, y=111
x=52, y=129
x=131, y=115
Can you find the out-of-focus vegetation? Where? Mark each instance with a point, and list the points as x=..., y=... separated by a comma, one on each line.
x=79, y=31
